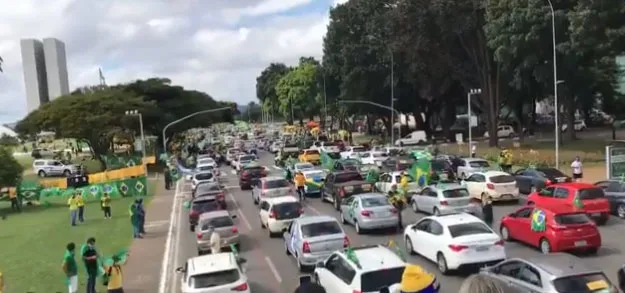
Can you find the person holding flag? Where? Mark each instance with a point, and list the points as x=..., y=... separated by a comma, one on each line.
x=300, y=183
x=398, y=200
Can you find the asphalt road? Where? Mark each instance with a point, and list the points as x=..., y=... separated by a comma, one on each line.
x=271, y=270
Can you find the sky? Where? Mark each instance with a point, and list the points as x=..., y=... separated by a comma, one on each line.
x=215, y=46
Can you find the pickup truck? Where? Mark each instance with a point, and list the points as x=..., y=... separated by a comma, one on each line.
x=339, y=185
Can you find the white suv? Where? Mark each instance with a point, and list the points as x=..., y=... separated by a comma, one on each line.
x=376, y=267
x=214, y=273
x=45, y=168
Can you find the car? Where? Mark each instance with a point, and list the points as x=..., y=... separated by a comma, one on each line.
x=554, y=272
x=564, y=228
x=503, y=131
x=418, y=137
x=222, y=223
x=309, y=156
x=346, y=165
x=214, y=273
x=442, y=170
x=376, y=267
x=327, y=146
x=206, y=168
x=365, y=168
x=202, y=176
x=207, y=161
x=302, y=167
x=454, y=242
x=283, y=156
x=231, y=155
x=333, y=189
x=46, y=168
x=250, y=174
x=353, y=152
x=277, y=213
x=272, y=186
x=468, y=166
x=373, y=157
x=200, y=205
x=388, y=180
x=368, y=211
x=312, y=239
x=244, y=160
x=580, y=125
x=397, y=163
x=615, y=193
x=314, y=181
x=590, y=199
x=389, y=150
x=206, y=188
x=493, y=185
x=275, y=147
x=442, y=199
x=533, y=179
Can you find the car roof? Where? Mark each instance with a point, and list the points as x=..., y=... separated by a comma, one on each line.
x=453, y=219
x=558, y=209
x=474, y=160
x=561, y=264
x=203, y=172
x=376, y=257
x=369, y=195
x=315, y=219
x=446, y=186
x=575, y=185
x=204, y=197
x=493, y=173
x=344, y=172
x=312, y=171
x=214, y=214
x=211, y=263
x=272, y=178
x=280, y=199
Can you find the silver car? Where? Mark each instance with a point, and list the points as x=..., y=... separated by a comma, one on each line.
x=468, y=166
x=554, y=272
x=301, y=167
x=272, y=186
x=443, y=199
x=367, y=211
x=312, y=239
x=222, y=223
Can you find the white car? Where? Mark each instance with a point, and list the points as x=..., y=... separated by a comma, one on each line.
x=45, y=168
x=468, y=166
x=454, y=241
x=373, y=158
x=278, y=212
x=201, y=177
x=503, y=131
x=387, y=180
x=326, y=146
x=301, y=167
x=243, y=160
x=214, y=273
x=386, y=149
x=580, y=125
x=314, y=175
x=275, y=147
x=377, y=267
x=231, y=154
x=206, y=162
x=353, y=152
x=496, y=185
x=414, y=138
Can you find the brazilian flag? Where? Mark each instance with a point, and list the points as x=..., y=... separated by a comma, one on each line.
x=420, y=171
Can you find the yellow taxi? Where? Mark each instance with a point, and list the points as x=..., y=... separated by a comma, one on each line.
x=310, y=156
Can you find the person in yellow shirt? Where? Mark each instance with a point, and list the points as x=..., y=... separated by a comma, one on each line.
x=72, y=202
x=300, y=182
x=115, y=276
x=80, y=202
x=1, y=282
x=15, y=204
x=105, y=202
x=403, y=182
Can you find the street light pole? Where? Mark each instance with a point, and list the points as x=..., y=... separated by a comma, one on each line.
x=143, y=152
x=555, y=84
x=393, y=99
x=292, y=115
x=469, y=94
x=187, y=117
x=325, y=101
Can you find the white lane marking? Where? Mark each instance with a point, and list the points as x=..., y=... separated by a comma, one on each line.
x=313, y=209
x=273, y=269
x=240, y=212
x=173, y=288
x=231, y=186
x=156, y=223
x=276, y=167
x=162, y=287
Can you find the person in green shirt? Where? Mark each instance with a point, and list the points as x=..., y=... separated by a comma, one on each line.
x=70, y=268
x=135, y=219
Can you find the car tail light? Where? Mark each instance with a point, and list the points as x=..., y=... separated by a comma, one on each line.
x=306, y=247
x=500, y=243
x=366, y=213
x=356, y=291
x=221, y=195
x=444, y=202
x=457, y=248
x=244, y=174
x=235, y=230
x=241, y=287
x=342, y=193
x=300, y=211
x=345, y=241
x=394, y=211
x=272, y=215
x=194, y=213
x=199, y=236
x=490, y=186
x=548, y=182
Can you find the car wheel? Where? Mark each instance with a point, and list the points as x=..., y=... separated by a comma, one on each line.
x=41, y=173
x=545, y=246
x=441, y=262
x=342, y=218
x=286, y=250
x=409, y=246
x=255, y=201
x=67, y=173
x=415, y=207
x=271, y=235
x=262, y=225
x=593, y=250
x=505, y=234
x=620, y=211
x=436, y=212
x=357, y=226
x=200, y=252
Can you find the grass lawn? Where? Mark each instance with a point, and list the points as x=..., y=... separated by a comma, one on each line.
x=34, y=241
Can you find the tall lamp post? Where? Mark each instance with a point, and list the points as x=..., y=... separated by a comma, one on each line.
x=471, y=92
x=143, y=153
x=390, y=52
x=555, y=84
x=187, y=117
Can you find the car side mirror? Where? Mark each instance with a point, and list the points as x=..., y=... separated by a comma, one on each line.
x=179, y=270
x=320, y=265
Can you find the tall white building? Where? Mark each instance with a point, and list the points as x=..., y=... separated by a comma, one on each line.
x=35, y=78
x=56, y=68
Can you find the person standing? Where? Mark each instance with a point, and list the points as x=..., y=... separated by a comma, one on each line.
x=215, y=241
x=300, y=183
x=141, y=211
x=73, y=209
x=115, y=276
x=487, y=211
x=105, y=202
x=80, y=202
x=134, y=220
x=620, y=275
x=576, y=167
x=70, y=268
x=473, y=150
x=167, y=178
x=397, y=200
x=90, y=258
x=15, y=204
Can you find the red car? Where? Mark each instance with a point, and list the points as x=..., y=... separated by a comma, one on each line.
x=564, y=229
x=592, y=198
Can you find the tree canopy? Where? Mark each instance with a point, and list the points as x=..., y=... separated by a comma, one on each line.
x=11, y=170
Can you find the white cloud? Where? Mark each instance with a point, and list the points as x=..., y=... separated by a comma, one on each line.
x=217, y=46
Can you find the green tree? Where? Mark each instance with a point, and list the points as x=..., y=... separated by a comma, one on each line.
x=94, y=118
x=252, y=112
x=266, y=86
x=10, y=170
x=7, y=140
x=298, y=91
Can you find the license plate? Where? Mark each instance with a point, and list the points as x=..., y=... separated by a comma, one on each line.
x=595, y=215
x=580, y=243
x=482, y=248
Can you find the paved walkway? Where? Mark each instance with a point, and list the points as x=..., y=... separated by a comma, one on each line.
x=143, y=270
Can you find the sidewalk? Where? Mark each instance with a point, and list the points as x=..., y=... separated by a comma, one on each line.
x=143, y=270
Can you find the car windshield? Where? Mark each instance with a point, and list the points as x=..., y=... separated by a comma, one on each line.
x=572, y=219
x=502, y=179
x=479, y=164
x=207, y=188
x=204, y=176
x=375, y=281
x=205, y=168
x=466, y=229
x=254, y=169
x=287, y=210
x=456, y=193
x=312, y=152
x=280, y=183
x=380, y=155
x=205, y=162
x=590, y=193
x=315, y=174
x=320, y=229
x=551, y=173
x=440, y=165
x=358, y=149
x=214, y=279
x=369, y=202
x=247, y=158
x=219, y=222
x=587, y=283
x=205, y=205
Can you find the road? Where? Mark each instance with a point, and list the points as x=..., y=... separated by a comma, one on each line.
x=270, y=270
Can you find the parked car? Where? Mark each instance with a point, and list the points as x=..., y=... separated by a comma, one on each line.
x=468, y=166
x=277, y=213
x=441, y=199
x=494, y=185
x=201, y=177
x=47, y=168
x=503, y=131
x=414, y=138
x=221, y=222
x=200, y=205
x=368, y=211
x=272, y=186
x=312, y=239
x=250, y=175
x=564, y=228
x=214, y=273
x=615, y=193
x=533, y=179
x=583, y=196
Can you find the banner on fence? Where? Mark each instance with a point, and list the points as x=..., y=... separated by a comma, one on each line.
x=115, y=161
x=127, y=187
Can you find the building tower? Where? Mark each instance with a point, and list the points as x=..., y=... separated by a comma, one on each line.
x=56, y=68
x=35, y=78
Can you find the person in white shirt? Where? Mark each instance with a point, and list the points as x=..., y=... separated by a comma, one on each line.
x=576, y=166
x=473, y=150
x=215, y=241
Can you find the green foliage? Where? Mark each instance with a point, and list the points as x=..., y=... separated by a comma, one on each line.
x=299, y=89
x=10, y=169
x=266, y=86
x=7, y=140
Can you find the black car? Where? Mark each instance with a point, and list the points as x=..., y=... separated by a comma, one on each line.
x=332, y=185
x=442, y=170
x=346, y=165
x=200, y=205
x=250, y=175
x=399, y=163
x=211, y=189
x=615, y=193
x=532, y=179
